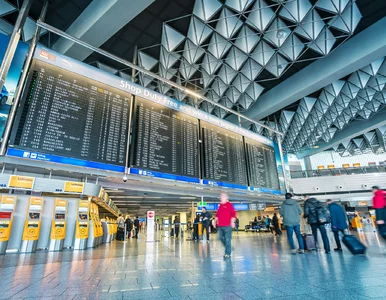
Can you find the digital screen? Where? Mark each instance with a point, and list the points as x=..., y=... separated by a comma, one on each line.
x=83, y=217
x=4, y=225
x=60, y=216
x=66, y=114
x=34, y=216
x=164, y=140
x=223, y=155
x=262, y=166
x=34, y=225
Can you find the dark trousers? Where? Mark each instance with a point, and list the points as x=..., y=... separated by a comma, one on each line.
x=176, y=231
x=337, y=238
x=322, y=229
x=206, y=227
x=380, y=215
x=277, y=230
x=136, y=232
x=225, y=235
x=195, y=232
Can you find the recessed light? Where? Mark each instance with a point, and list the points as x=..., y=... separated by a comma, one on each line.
x=316, y=147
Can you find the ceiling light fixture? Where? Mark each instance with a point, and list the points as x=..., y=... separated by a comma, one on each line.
x=281, y=34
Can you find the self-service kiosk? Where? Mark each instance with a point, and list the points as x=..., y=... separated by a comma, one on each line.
x=58, y=227
x=94, y=230
x=82, y=225
x=7, y=207
x=32, y=225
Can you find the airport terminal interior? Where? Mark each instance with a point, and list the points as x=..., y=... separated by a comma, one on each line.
x=193, y=149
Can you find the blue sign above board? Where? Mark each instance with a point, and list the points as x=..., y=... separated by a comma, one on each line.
x=148, y=173
x=214, y=206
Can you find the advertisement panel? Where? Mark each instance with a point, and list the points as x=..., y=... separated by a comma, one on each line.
x=8, y=91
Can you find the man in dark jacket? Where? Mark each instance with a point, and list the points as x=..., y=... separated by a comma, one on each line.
x=206, y=216
x=338, y=221
x=311, y=206
x=129, y=226
x=136, y=227
x=275, y=223
x=291, y=211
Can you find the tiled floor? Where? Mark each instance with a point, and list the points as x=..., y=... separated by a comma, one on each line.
x=261, y=268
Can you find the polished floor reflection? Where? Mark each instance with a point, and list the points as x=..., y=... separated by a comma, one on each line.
x=261, y=268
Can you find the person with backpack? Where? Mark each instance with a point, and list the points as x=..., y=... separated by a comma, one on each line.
x=291, y=211
x=275, y=223
x=317, y=216
x=129, y=226
x=338, y=221
x=195, y=227
x=380, y=210
x=121, y=228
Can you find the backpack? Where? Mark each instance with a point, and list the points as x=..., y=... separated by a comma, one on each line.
x=121, y=224
x=323, y=214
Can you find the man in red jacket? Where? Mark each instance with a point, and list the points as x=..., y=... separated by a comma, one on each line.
x=225, y=220
x=379, y=206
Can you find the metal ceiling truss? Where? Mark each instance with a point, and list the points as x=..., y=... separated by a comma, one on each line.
x=231, y=46
x=359, y=96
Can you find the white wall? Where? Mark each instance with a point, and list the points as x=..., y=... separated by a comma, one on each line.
x=332, y=158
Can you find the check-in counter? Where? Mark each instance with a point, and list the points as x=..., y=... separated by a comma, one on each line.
x=58, y=227
x=32, y=224
x=82, y=225
x=7, y=208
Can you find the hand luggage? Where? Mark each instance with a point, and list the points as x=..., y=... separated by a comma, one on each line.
x=120, y=235
x=353, y=244
x=172, y=232
x=309, y=242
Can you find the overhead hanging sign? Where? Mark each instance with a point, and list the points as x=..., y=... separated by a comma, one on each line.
x=73, y=187
x=21, y=182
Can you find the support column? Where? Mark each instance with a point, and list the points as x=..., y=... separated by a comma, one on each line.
x=282, y=163
x=308, y=166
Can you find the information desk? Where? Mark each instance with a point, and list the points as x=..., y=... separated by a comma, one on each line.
x=223, y=157
x=262, y=168
x=164, y=140
x=65, y=114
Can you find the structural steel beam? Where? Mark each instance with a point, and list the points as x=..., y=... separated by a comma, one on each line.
x=359, y=51
x=97, y=23
x=352, y=130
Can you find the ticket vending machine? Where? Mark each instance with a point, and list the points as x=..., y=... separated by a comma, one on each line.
x=7, y=207
x=58, y=226
x=94, y=230
x=32, y=224
x=82, y=225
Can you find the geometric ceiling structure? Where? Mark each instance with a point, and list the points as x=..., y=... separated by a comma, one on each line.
x=231, y=47
x=358, y=96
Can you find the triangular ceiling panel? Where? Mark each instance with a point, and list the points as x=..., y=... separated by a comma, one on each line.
x=205, y=9
x=239, y=5
x=260, y=16
x=198, y=31
x=171, y=38
x=228, y=24
x=295, y=10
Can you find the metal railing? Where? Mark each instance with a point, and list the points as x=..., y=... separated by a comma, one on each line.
x=337, y=172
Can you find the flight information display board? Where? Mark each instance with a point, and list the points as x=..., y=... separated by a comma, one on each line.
x=223, y=157
x=66, y=114
x=164, y=140
x=262, y=168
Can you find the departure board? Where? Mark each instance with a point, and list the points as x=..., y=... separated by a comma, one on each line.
x=66, y=114
x=223, y=155
x=262, y=166
x=164, y=140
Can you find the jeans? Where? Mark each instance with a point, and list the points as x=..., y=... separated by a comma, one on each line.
x=225, y=235
x=337, y=238
x=290, y=233
x=322, y=229
x=380, y=215
x=205, y=226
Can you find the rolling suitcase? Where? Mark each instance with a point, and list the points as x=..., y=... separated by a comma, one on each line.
x=120, y=235
x=309, y=242
x=353, y=244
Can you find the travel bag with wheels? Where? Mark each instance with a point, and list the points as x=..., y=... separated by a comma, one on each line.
x=353, y=244
x=309, y=242
x=120, y=235
x=172, y=232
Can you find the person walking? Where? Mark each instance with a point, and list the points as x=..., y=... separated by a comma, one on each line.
x=268, y=223
x=195, y=227
x=206, y=216
x=177, y=224
x=121, y=228
x=315, y=213
x=225, y=221
x=275, y=223
x=291, y=211
x=338, y=221
x=136, y=227
x=380, y=210
x=129, y=226
x=237, y=223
